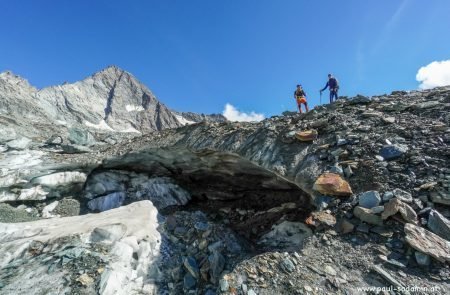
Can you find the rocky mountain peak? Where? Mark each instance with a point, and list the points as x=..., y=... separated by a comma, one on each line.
x=13, y=80
x=112, y=72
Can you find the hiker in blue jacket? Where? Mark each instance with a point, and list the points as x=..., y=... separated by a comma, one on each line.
x=333, y=85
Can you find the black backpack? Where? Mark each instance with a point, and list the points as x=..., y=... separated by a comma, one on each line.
x=336, y=82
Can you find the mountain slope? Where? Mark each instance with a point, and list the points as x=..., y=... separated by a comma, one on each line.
x=111, y=100
x=20, y=112
x=112, y=96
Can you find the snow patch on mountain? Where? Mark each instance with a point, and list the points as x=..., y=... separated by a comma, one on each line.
x=183, y=121
x=134, y=108
x=101, y=125
x=130, y=130
x=61, y=122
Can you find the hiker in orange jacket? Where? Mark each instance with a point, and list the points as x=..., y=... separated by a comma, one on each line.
x=300, y=96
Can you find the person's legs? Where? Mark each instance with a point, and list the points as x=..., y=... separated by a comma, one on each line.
x=306, y=107
x=335, y=95
x=331, y=96
x=299, y=105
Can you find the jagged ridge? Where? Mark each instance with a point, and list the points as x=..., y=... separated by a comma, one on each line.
x=109, y=100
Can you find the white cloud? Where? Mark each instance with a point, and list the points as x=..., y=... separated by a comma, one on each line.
x=434, y=74
x=233, y=114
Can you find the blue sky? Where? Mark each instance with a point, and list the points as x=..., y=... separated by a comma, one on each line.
x=199, y=55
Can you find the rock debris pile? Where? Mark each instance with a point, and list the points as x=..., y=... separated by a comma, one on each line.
x=348, y=196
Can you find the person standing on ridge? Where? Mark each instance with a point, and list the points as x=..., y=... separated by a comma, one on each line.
x=300, y=96
x=333, y=85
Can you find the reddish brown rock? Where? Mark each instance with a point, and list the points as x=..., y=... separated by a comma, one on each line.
x=308, y=135
x=427, y=242
x=321, y=218
x=332, y=184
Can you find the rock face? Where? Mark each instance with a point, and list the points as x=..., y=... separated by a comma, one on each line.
x=228, y=176
x=109, y=99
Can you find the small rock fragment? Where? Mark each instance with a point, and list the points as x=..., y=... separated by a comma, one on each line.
x=85, y=280
x=191, y=265
x=366, y=215
x=382, y=231
x=348, y=172
x=217, y=263
x=47, y=211
x=345, y=226
x=422, y=259
x=224, y=285
x=321, y=202
x=337, y=170
x=387, y=196
x=363, y=228
x=330, y=270
x=287, y=265
x=391, y=280
x=321, y=218
x=388, y=120
x=402, y=195
x=392, y=152
x=307, y=288
x=189, y=281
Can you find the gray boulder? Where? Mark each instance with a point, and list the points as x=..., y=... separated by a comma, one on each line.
x=369, y=199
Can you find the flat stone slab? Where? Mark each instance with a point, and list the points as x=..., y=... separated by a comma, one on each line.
x=427, y=242
x=308, y=135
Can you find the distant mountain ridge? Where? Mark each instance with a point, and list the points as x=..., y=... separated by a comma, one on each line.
x=109, y=100
x=190, y=117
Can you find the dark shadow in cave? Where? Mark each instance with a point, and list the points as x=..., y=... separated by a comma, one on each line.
x=216, y=180
x=221, y=185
